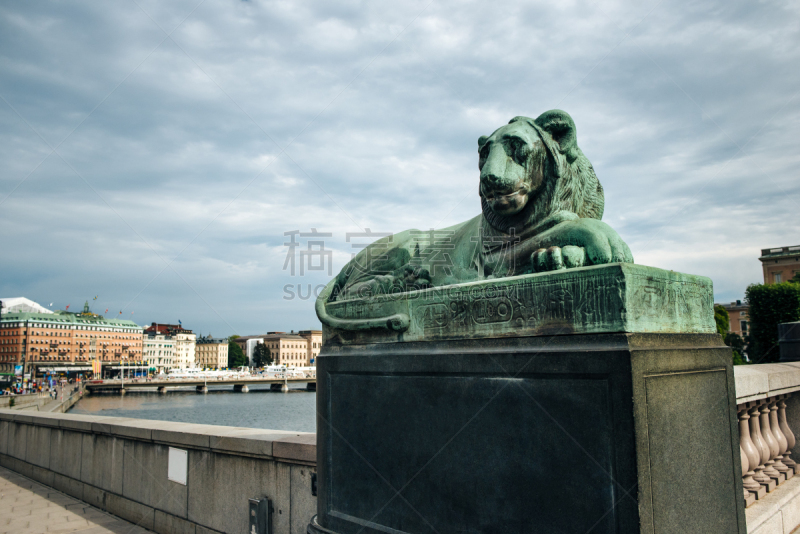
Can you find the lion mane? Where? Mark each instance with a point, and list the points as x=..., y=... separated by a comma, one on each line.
x=569, y=181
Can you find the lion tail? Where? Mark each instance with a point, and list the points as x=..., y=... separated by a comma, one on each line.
x=399, y=322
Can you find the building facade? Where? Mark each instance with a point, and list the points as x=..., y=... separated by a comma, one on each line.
x=298, y=350
x=780, y=264
x=183, y=343
x=65, y=342
x=739, y=320
x=314, y=339
x=211, y=353
x=288, y=349
x=159, y=351
x=185, y=349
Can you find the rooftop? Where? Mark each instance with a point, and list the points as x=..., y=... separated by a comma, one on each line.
x=65, y=317
x=21, y=304
x=211, y=340
x=285, y=336
x=271, y=335
x=166, y=329
x=778, y=252
x=737, y=305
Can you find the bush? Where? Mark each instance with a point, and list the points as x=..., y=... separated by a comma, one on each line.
x=723, y=320
x=735, y=342
x=770, y=305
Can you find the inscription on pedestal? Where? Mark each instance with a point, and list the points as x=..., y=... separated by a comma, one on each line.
x=609, y=298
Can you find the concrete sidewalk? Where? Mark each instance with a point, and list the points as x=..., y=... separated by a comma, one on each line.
x=27, y=507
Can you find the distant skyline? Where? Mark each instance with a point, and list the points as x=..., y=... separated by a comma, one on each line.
x=156, y=154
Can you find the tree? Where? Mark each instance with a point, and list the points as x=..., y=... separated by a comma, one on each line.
x=735, y=342
x=722, y=319
x=261, y=356
x=236, y=357
x=770, y=305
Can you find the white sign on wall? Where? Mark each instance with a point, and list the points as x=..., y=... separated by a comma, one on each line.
x=177, y=465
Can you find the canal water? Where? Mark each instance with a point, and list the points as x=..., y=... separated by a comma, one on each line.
x=260, y=408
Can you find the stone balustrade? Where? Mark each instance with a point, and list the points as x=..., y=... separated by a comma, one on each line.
x=768, y=406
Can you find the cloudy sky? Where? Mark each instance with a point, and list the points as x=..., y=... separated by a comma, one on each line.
x=155, y=153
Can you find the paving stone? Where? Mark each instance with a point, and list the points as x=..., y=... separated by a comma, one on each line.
x=27, y=507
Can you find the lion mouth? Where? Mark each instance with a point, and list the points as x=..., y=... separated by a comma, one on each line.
x=504, y=223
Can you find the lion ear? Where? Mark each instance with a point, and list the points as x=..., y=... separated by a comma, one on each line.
x=561, y=128
x=482, y=141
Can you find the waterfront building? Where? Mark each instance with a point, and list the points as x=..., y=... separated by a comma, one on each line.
x=63, y=342
x=173, y=343
x=314, y=338
x=211, y=352
x=159, y=351
x=185, y=344
x=289, y=349
x=780, y=264
x=300, y=349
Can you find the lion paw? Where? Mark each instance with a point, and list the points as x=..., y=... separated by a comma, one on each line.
x=556, y=258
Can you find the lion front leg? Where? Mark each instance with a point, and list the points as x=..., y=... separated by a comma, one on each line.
x=557, y=258
x=578, y=243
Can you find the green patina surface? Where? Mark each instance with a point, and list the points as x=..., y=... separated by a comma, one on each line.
x=620, y=297
x=538, y=260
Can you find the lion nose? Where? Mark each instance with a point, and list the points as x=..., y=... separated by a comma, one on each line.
x=494, y=168
x=491, y=180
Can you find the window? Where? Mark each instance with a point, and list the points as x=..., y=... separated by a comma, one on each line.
x=777, y=277
x=744, y=326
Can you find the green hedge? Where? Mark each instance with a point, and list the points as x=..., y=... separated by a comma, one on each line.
x=723, y=319
x=770, y=305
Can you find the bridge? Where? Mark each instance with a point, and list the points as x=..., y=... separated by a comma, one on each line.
x=201, y=385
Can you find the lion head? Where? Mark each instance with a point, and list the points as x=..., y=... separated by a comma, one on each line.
x=532, y=169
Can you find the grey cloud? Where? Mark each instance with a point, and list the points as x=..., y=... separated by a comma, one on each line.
x=687, y=111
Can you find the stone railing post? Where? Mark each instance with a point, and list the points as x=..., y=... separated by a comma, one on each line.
x=787, y=432
x=750, y=452
x=769, y=439
x=755, y=435
x=783, y=443
x=749, y=498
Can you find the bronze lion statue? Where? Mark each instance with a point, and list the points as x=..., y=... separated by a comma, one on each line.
x=541, y=208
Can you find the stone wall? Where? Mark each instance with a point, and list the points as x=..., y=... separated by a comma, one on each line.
x=23, y=402
x=120, y=465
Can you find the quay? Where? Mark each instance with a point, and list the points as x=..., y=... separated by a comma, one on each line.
x=238, y=384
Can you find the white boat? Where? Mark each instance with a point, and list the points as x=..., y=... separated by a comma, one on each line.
x=183, y=374
x=274, y=371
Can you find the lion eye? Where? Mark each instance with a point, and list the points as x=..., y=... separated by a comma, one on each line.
x=520, y=152
x=482, y=155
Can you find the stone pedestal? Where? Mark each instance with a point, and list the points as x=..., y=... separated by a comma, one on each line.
x=514, y=411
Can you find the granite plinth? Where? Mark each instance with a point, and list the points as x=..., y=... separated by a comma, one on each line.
x=519, y=428
x=620, y=297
